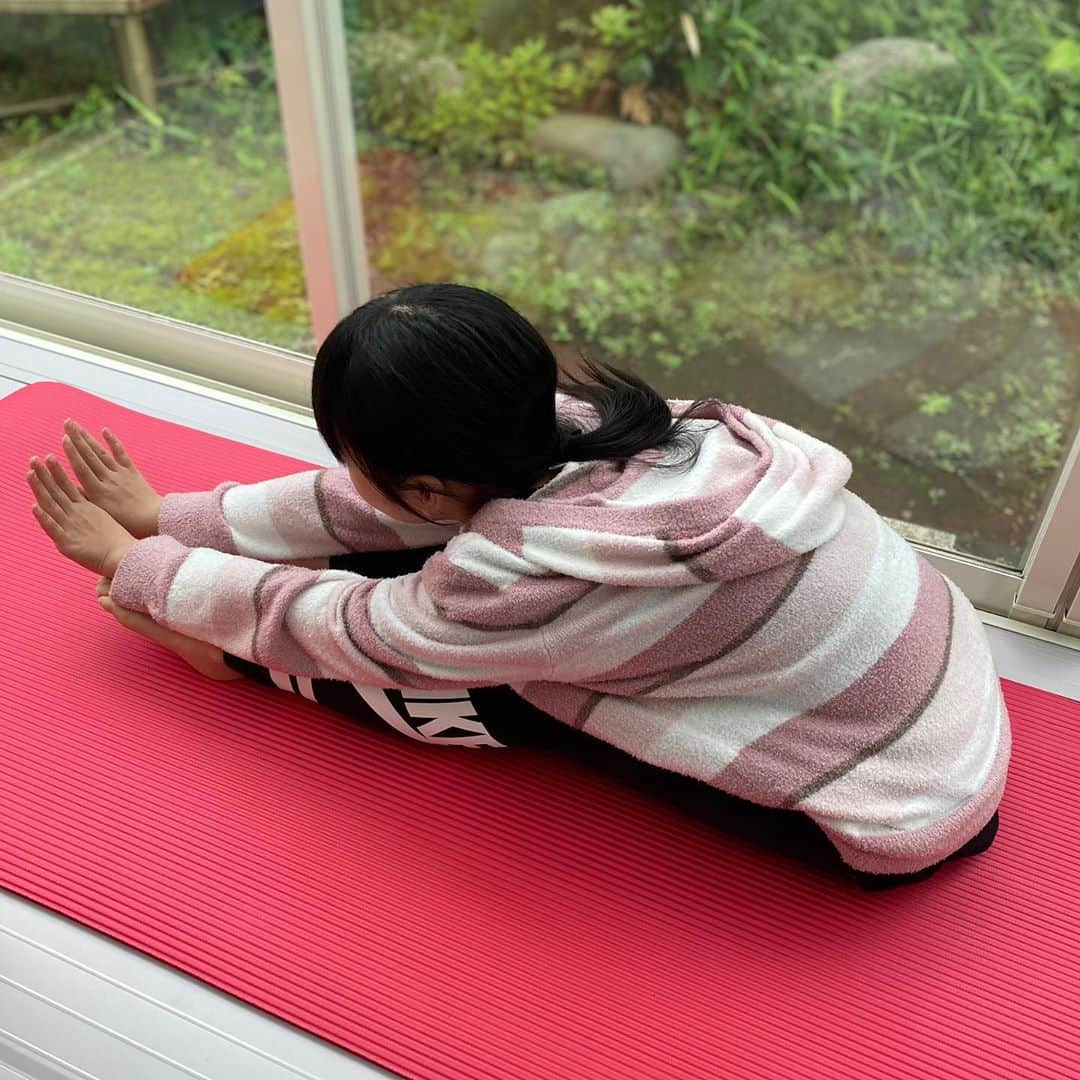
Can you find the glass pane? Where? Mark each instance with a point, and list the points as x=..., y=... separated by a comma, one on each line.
x=776, y=203
x=142, y=161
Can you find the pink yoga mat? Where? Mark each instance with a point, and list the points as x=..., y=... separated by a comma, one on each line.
x=502, y=914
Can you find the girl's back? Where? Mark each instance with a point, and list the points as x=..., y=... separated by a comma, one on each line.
x=750, y=622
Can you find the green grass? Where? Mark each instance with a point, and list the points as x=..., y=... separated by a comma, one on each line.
x=122, y=224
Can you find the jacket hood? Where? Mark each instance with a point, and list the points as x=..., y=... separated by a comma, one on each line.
x=758, y=493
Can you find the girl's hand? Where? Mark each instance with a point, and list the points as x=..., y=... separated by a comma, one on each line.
x=205, y=658
x=83, y=532
x=111, y=481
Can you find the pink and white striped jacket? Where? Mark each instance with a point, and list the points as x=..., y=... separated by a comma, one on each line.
x=746, y=620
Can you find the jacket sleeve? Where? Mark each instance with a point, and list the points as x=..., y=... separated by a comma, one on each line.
x=305, y=515
x=322, y=624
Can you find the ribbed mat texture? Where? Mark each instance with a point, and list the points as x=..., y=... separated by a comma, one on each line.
x=489, y=914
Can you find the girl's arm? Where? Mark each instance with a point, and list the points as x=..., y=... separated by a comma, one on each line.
x=331, y=625
x=290, y=518
x=299, y=519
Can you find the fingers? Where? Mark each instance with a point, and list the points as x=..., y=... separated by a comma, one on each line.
x=95, y=458
x=45, y=491
x=89, y=443
x=85, y=475
x=63, y=481
x=79, y=467
x=135, y=620
x=52, y=530
x=103, y=586
x=117, y=448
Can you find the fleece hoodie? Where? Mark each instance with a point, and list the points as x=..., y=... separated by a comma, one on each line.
x=745, y=620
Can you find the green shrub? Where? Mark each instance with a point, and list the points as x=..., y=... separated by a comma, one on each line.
x=643, y=37
x=977, y=160
x=476, y=108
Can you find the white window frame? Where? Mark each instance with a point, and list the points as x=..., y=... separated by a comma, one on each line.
x=316, y=108
x=155, y=342
x=314, y=96
x=1049, y=595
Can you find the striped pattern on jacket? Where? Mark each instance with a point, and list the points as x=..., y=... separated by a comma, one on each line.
x=746, y=620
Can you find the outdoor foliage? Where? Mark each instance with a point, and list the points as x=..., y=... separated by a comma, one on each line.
x=474, y=109
x=819, y=224
x=979, y=158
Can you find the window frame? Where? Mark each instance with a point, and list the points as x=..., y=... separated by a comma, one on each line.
x=315, y=100
x=1049, y=593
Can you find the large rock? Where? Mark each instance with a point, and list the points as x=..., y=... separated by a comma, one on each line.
x=868, y=63
x=634, y=156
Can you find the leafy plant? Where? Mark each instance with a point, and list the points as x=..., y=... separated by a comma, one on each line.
x=476, y=108
x=974, y=160
x=809, y=220
x=934, y=404
x=640, y=35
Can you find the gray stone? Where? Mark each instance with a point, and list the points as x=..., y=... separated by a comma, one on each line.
x=1010, y=437
x=831, y=362
x=868, y=63
x=635, y=156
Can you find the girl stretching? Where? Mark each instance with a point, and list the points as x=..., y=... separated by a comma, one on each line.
x=686, y=593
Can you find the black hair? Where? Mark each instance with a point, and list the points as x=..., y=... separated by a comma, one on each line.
x=450, y=381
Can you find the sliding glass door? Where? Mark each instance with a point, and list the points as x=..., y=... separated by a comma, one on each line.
x=142, y=162
x=861, y=222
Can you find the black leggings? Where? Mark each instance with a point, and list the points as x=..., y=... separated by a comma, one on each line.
x=495, y=716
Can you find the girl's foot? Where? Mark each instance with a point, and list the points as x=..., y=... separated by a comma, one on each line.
x=205, y=658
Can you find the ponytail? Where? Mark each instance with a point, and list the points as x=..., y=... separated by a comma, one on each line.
x=633, y=418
